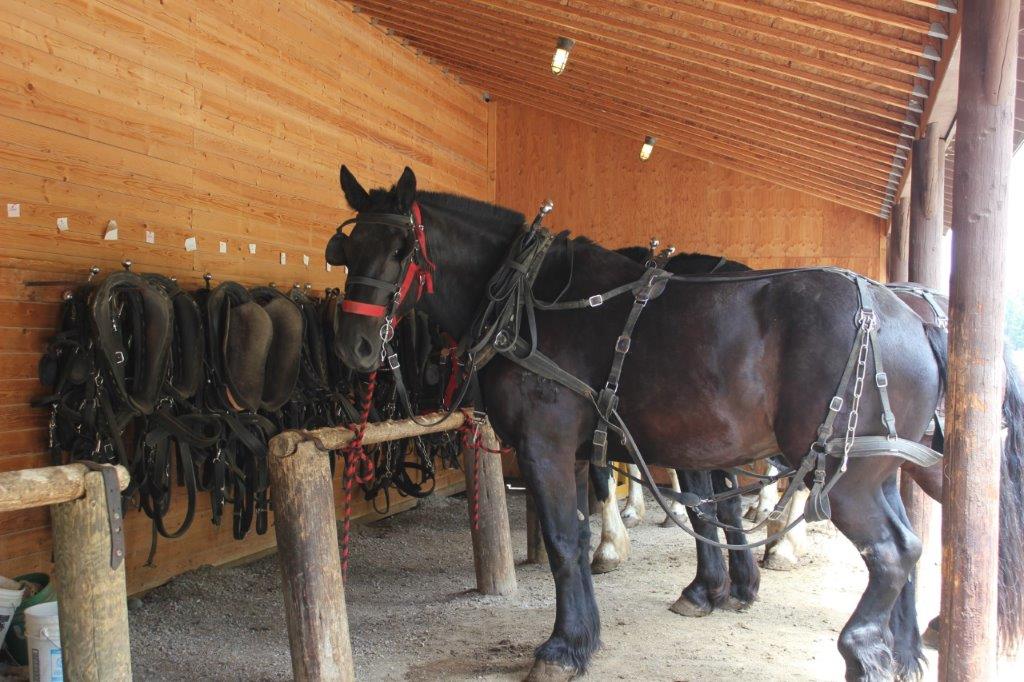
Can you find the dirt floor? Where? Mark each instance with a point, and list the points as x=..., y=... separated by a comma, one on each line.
x=414, y=614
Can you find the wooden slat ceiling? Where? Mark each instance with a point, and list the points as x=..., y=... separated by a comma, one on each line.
x=823, y=96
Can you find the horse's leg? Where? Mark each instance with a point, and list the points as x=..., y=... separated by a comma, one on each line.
x=552, y=476
x=636, y=507
x=766, y=499
x=710, y=587
x=614, y=546
x=784, y=554
x=865, y=512
x=678, y=510
x=906, y=634
x=744, y=576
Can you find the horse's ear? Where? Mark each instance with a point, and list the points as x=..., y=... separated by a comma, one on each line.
x=355, y=195
x=405, y=189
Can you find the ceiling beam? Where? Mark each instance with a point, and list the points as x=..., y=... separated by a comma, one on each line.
x=611, y=69
x=425, y=35
x=858, y=33
x=606, y=27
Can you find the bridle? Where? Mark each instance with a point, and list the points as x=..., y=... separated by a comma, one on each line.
x=416, y=268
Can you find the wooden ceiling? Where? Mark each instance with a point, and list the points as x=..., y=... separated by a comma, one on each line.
x=820, y=95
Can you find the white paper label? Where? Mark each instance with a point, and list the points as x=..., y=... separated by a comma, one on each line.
x=284, y=258
x=150, y=237
x=62, y=224
x=13, y=210
x=252, y=249
x=190, y=244
x=305, y=260
x=223, y=247
x=328, y=267
x=111, y=234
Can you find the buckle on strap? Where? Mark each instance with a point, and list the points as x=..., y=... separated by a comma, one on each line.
x=595, y=300
x=622, y=344
x=600, y=438
x=836, y=404
x=393, y=363
x=881, y=380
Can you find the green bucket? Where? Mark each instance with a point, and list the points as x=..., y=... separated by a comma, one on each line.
x=16, y=643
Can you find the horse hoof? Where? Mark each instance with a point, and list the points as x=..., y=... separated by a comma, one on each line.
x=669, y=523
x=546, y=671
x=930, y=637
x=685, y=607
x=631, y=518
x=604, y=564
x=779, y=562
x=733, y=604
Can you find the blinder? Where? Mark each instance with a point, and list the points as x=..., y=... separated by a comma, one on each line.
x=416, y=267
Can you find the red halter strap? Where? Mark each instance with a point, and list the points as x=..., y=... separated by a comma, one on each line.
x=423, y=274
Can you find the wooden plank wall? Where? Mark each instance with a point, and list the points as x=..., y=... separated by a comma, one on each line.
x=225, y=120
x=602, y=189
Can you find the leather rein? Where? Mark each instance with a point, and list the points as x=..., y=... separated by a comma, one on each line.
x=508, y=310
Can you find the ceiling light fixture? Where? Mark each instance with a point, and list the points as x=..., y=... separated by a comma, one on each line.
x=563, y=46
x=645, y=151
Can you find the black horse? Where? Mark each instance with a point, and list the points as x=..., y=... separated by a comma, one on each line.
x=742, y=368
x=712, y=587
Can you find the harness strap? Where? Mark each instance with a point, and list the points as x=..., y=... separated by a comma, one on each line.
x=607, y=399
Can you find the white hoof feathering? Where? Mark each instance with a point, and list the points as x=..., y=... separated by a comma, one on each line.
x=636, y=507
x=614, y=546
x=677, y=509
x=785, y=554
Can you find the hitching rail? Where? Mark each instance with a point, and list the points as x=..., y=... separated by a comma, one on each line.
x=93, y=596
x=307, y=535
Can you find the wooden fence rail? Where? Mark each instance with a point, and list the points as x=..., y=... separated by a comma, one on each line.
x=93, y=603
x=307, y=535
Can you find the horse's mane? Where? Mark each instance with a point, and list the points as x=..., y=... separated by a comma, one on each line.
x=471, y=208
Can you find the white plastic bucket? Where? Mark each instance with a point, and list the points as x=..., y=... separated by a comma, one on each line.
x=42, y=629
x=11, y=594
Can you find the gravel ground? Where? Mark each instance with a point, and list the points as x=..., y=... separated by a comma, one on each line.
x=414, y=614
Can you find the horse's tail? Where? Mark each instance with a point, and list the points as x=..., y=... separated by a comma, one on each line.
x=1011, y=513
x=1011, y=494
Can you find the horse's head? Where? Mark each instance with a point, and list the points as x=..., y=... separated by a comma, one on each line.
x=388, y=268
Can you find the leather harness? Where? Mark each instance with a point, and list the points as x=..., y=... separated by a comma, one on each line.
x=506, y=325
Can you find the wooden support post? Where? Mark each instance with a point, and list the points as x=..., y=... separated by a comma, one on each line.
x=536, y=553
x=492, y=541
x=926, y=204
x=93, y=605
x=307, y=541
x=899, y=242
x=924, y=266
x=984, y=146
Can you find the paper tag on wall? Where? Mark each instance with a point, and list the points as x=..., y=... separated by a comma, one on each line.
x=223, y=247
x=252, y=249
x=150, y=237
x=62, y=224
x=305, y=260
x=13, y=210
x=111, y=233
x=190, y=244
x=284, y=258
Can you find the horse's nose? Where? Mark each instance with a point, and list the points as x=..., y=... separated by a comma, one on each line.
x=364, y=351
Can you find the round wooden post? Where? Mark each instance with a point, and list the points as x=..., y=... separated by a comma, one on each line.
x=307, y=542
x=924, y=266
x=984, y=146
x=536, y=553
x=93, y=605
x=492, y=540
x=899, y=243
x=926, y=204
